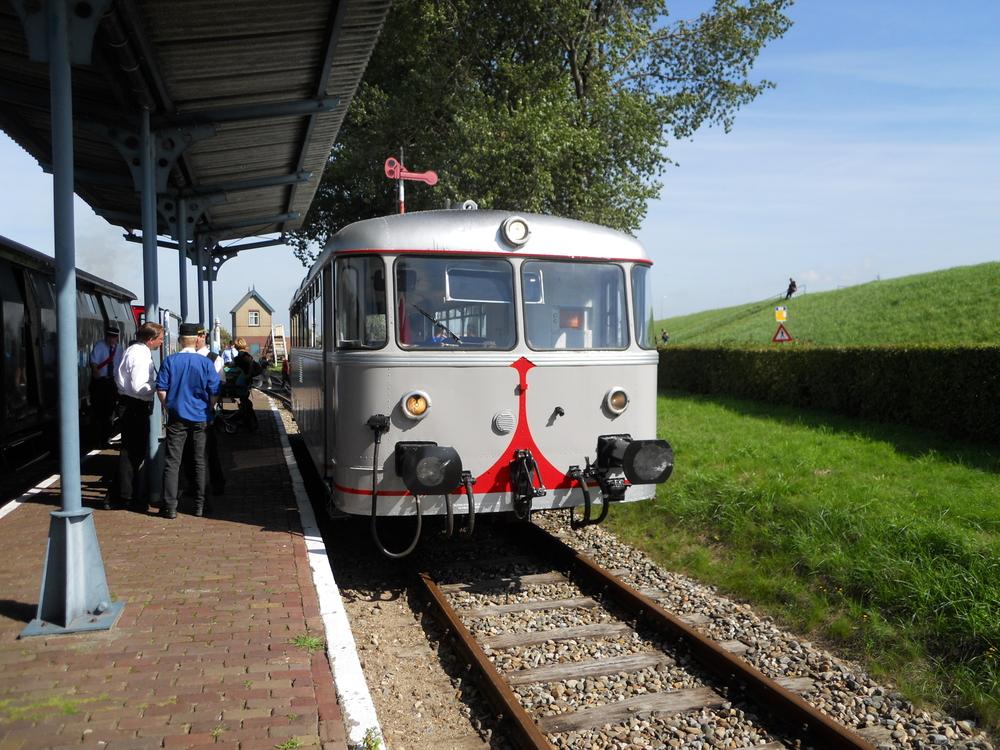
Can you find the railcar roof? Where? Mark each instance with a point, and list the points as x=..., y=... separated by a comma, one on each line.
x=479, y=231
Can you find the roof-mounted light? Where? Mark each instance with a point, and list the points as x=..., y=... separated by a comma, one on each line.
x=515, y=231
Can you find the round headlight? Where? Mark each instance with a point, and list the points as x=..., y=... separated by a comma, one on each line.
x=430, y=470
x=648, y=461
x=415, y=404
x=616, y=400
x=515, y=230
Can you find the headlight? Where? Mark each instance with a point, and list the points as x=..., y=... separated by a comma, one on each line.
x=415, y=404
x=430, y=470
x=616, y=400
x=642, y=461
x=427, y=468
x=648, y=461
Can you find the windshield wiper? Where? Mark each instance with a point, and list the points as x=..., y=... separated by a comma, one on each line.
x=437, y=323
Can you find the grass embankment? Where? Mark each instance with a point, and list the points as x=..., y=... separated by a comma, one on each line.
x=882, y=541
x=954, y=306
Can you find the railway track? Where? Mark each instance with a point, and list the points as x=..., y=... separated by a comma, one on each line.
x=282, y=395
x=635, y=674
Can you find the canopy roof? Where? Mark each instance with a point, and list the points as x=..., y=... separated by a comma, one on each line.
x=258, y=88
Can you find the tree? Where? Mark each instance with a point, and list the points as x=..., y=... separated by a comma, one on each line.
x=552, y=106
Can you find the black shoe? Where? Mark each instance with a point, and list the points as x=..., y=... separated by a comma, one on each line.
x=167, y=513
x=199, y=512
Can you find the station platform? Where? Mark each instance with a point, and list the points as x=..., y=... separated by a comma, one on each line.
x=221, y=638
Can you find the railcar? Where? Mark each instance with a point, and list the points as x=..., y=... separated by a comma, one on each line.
x=461, y=362
x=29, y=398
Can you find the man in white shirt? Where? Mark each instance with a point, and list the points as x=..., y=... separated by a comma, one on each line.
x=136, y=382
x=104, y=360
x=205, y=351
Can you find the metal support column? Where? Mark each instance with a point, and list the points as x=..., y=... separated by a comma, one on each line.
x=74, y=593
x=182, y=256
x=211, y=291
x=200, y=255
x=150, y=293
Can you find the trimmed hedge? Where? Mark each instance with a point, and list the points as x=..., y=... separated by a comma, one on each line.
x=953, y=389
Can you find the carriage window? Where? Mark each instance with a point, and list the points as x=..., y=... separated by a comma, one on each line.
x=582, y=305
x=642, y=301
x=360, y=310
x=454, y=303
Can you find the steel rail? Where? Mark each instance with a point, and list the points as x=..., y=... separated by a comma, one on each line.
x=524, y=731
x=805, y=720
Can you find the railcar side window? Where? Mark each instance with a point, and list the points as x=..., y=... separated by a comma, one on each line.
x=574, y=305
x=459, y=303
x=360, y=310
x=642, y=301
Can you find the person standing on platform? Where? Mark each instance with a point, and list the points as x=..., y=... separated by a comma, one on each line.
x=229, y=353
x=135, y=379
x=105, y=358
x=216, y=478
x=187, y=386
x=247, y=369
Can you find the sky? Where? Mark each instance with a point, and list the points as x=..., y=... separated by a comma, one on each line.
x=877, y=155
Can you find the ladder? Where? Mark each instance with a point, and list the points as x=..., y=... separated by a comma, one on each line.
x=275, y=349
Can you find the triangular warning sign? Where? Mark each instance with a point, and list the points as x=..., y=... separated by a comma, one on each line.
x=781, y=335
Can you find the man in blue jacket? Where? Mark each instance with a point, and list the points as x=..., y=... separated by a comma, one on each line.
x=187, y=386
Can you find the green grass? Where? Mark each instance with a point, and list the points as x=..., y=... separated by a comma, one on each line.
x=882, y=541
x=310, y=643
x=954, y=306
x=42, y=708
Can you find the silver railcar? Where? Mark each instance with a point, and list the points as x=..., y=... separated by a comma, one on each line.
x=464, y=362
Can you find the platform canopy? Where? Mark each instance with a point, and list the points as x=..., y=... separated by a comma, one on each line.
x=252, y=93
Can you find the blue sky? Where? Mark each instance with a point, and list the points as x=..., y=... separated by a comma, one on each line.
x=877, y=155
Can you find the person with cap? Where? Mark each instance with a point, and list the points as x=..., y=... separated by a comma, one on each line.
x=187, y=386
x=105, y=357
x=216, y=477
x=136, y=382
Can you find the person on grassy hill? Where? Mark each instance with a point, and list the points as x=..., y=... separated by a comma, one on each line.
x=792, y=286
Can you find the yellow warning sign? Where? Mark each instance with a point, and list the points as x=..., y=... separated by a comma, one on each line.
x=781, y=335
x=781, y=314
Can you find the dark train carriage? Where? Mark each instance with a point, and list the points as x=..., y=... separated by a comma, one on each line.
x=28, y=390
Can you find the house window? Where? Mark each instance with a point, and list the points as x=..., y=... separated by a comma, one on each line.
x=253, y=318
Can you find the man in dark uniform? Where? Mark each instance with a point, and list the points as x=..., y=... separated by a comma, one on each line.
x=187, y=386
x=105, y=358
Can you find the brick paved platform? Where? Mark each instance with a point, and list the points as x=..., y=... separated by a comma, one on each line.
x=202, y=653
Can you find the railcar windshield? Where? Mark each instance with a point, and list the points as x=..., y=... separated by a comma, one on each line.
x=459, y=303
x=571, y=305
x=642, y=302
